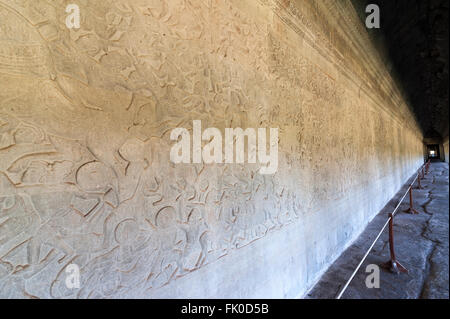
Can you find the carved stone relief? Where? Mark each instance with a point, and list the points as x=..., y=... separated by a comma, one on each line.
x=85, y=119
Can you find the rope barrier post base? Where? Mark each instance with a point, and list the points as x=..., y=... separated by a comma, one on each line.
x=393, y=265
x=411, y=209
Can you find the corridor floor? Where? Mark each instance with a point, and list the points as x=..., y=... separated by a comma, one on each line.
x=421, y=245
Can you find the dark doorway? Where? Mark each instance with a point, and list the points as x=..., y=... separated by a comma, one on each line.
x=433, y=152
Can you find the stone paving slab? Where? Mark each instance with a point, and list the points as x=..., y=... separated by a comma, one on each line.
x=421, y=245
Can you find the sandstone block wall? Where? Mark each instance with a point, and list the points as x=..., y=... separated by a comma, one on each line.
x=85, y=121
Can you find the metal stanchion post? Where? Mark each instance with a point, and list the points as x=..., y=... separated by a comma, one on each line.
x=419, y=186
x=411, y=209
x=393, y=265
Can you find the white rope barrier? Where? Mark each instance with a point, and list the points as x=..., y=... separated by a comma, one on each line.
x=376, y=239
x=362, y=261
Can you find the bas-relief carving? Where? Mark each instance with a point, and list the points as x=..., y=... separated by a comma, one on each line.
x=85, y=175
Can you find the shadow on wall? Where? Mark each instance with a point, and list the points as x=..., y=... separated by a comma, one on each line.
x=445, y=147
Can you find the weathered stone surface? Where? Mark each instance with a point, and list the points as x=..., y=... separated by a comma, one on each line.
x=85, y=120
x=421, y=245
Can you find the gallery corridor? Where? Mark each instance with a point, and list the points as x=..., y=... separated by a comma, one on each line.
x=221, y=149
x=421, y=245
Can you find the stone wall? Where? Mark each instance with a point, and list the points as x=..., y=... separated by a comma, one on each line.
x=85, y=122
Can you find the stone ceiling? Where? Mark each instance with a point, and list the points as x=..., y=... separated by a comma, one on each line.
x=414, y=38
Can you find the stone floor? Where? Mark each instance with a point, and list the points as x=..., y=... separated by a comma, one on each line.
x=421, y=245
